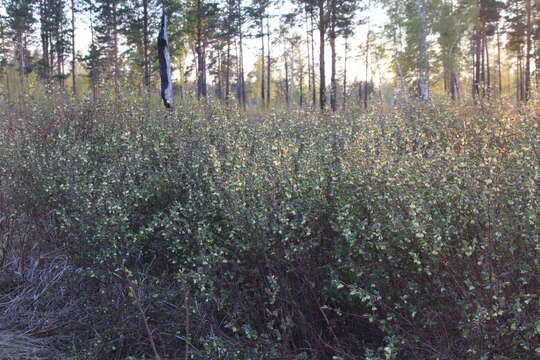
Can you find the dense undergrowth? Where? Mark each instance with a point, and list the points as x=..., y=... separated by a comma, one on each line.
x=410, y=233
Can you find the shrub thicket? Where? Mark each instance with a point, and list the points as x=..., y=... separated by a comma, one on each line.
x=409, y=233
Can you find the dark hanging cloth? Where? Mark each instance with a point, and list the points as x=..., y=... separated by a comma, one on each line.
x=165, y=62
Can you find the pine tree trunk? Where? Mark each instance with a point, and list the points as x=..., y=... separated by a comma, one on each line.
x=477, y=64
x=286, y=81
x=528, y=55
x=20, y=50
x=345, y=73
x=241, y=60
x=366, y=82
x=313, y=82
x=333, y=82
x=322, y=70
x=424, y=61
x=228, y=73
x=499, y=71
x=115, y=50
x=44, y=33
x=268, y=65
x=488, y=70
x=263, y=67
x=309, y=64
x=301, y=84
x=201, y=55
x=146, y=45
x=73, y=52
x=483, y=66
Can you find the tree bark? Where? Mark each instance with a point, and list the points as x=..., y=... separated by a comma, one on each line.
x=499, y=71
x=366, y=82
x=73, y=52
x=286, y=80
x=115, y=51
x=322, y=71
x=146, y=45
x=310, y=84
x=528, y=50
x=241, y=59
x=228, y=73
x=345, y=73
x=424, y=61
x=44, y=34
x=201, y=55
x=333, y=82
x=488, y=70
x=268, y=65
x=313, y=82
x=263, y=68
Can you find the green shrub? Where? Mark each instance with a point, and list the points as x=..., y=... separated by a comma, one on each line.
x=413, y=231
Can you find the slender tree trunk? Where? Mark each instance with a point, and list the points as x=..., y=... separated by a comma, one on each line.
x=286, y=80
x=499, y=71
x=263, y=67
x=201, y=55
x=115, y=55
x=310, y=84
x=313, y=82
x=322, y=70
x=44, y=33
x=228, y=73
x=488, y=70
x=518, y=81
x=21, y=59
x=366, y=82
x=424, y=61
x=332, y=41
x=73, y=52
x=528, y=55
x=268, y=65
x=346, y=54
x=477, y=64
x=93, y=70
x=241, y=60
x=301, y=84
x=219, y=76
x=146, y=45
x=333, y=82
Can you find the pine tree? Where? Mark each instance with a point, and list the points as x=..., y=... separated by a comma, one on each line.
x=20, y=21
x=107, y=28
